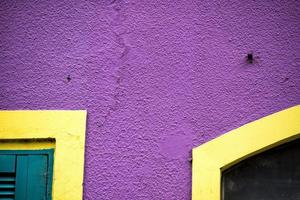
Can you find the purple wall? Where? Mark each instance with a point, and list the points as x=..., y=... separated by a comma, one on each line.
x=157, y=79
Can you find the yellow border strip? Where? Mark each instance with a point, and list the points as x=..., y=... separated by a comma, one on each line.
x=68, y=129
x=211, y=158
x=28, y=144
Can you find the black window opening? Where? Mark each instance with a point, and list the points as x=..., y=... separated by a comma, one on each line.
x=270, y=175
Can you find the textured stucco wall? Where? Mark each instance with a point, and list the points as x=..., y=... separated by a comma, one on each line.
x=157, y=78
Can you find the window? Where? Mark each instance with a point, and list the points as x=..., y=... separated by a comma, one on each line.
x=228, y=151
x=32, y=130
x=270, y=175
x=26, y=175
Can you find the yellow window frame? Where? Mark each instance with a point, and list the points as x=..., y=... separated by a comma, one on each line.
x=219, y=154
x=67, y=128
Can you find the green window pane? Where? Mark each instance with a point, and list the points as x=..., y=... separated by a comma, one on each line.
x=7, y=163
x=31, y=178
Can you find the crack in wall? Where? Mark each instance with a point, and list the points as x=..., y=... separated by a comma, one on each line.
x=125, y=48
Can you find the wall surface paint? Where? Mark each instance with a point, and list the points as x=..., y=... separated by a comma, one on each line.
x=157, y=78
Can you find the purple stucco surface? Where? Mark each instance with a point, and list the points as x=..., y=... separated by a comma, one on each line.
x=156, y=77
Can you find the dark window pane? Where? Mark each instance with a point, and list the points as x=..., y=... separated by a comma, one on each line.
x=271, y=175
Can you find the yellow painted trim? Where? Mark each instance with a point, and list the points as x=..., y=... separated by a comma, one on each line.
x=26, y=145
x=212, y=157
x=68, y=130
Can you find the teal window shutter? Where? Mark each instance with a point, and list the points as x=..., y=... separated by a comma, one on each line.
x=26, y=175
x=7, y=177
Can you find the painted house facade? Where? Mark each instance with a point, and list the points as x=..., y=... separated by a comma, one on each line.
x=152, y=81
